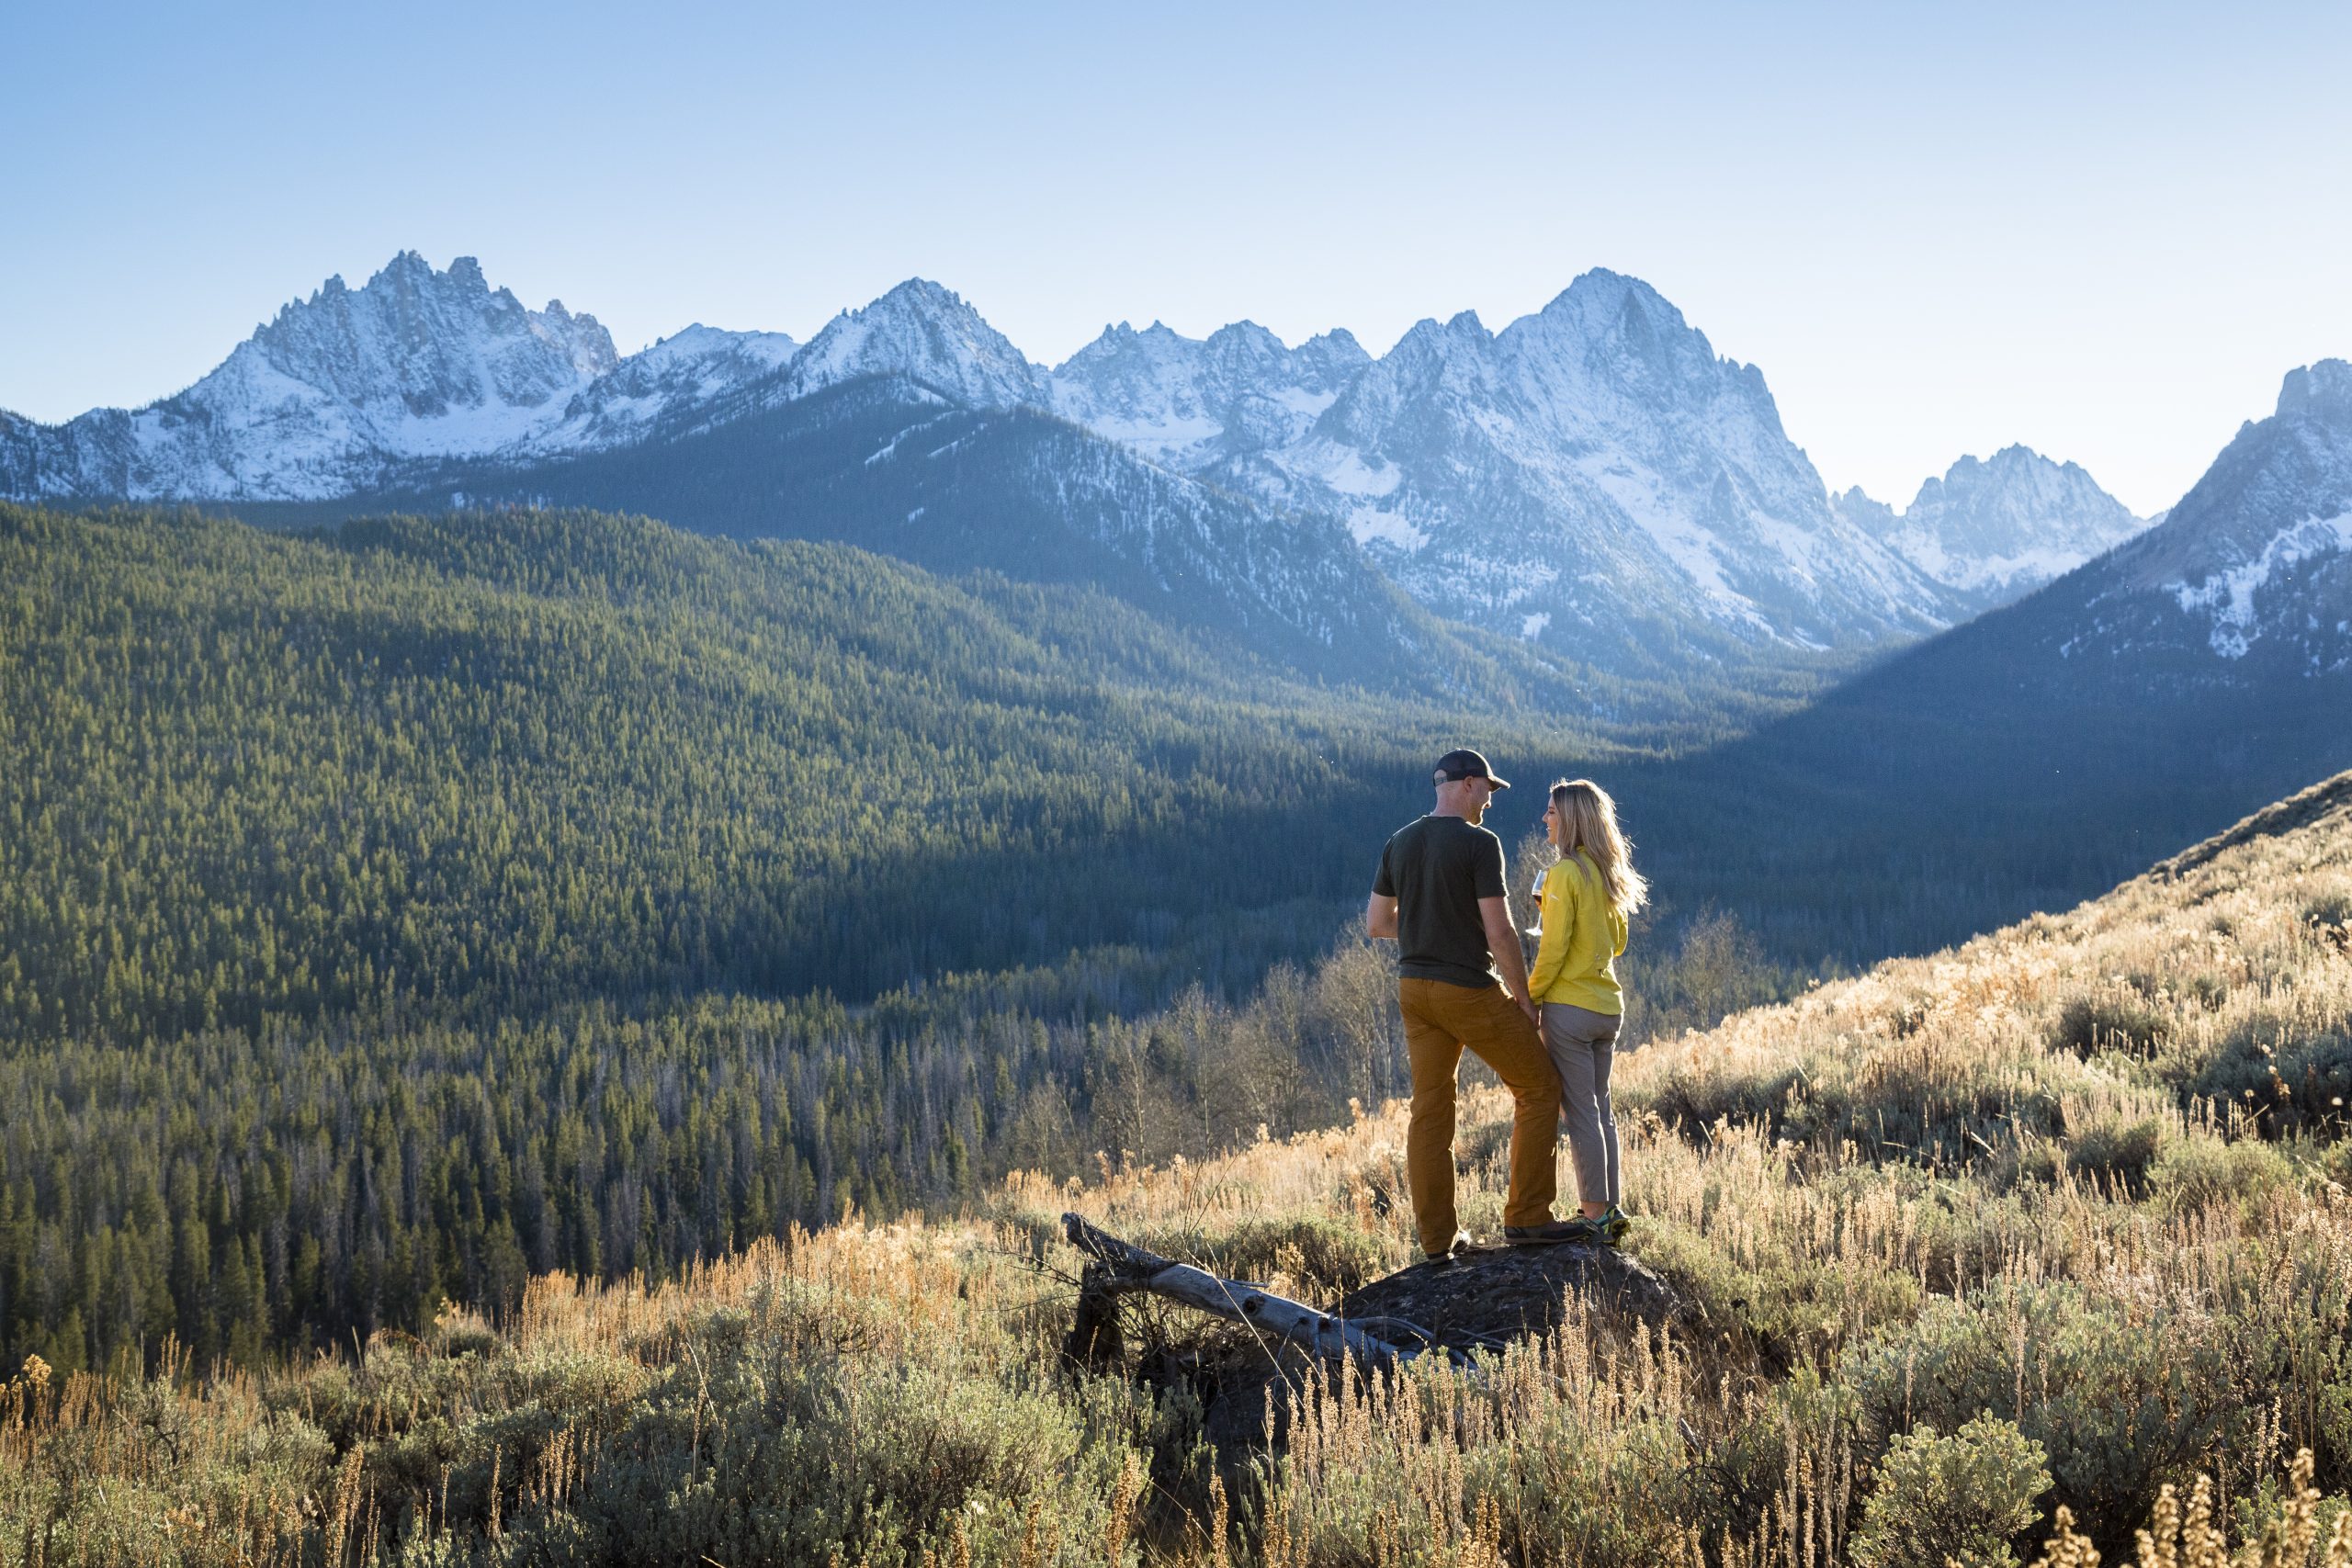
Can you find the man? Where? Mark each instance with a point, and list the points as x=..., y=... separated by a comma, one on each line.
x=1462, y=982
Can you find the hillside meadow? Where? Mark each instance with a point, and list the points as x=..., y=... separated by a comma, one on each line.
x=2044, y=1238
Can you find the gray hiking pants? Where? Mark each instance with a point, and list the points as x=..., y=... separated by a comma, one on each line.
x=1580, y=1044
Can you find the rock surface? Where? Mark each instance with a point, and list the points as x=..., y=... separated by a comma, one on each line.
x=1499, y=1295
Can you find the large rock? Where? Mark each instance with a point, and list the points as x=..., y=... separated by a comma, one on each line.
x=1496, y=1295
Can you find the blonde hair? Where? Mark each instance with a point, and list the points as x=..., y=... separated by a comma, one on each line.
x=1588, y=822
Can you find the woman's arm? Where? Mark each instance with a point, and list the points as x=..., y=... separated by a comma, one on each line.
x=1559, y=924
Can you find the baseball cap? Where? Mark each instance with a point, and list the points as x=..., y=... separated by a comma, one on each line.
x=1467, y=765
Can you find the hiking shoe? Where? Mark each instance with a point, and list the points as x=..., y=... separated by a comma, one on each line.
x=1613, y=1226
x=1551, y=1233
x=1463, y=1241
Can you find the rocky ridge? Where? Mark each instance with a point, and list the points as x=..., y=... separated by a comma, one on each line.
x=1993, y=530
x=1594, y=478
x=2253, y=567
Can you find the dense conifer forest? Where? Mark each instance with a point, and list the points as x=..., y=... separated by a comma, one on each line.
x=387, y=912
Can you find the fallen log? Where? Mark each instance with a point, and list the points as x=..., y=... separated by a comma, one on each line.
x=1116, y=1268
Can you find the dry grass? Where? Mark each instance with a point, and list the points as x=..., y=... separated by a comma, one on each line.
x=2062, y=1213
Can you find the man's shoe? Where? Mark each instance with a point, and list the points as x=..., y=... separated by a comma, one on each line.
x=1613, y=1226
x=1551, y=1233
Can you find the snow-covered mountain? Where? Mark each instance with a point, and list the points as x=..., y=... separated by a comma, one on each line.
x=687, y=372
x=1190, y=403
x=1993, y=530
x=927, y=334
x=334, y=392
x=2249, y=577
x=1593, y=476
x=348, y=390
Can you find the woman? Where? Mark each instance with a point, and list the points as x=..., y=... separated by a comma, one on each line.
x=1586, y=900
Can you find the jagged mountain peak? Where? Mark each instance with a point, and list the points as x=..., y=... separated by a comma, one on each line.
x=2258, y=554
x=695, y=340
x=2014, y=467
x=1123, y=343
x=675, y=382
x=1617, y=332
x=1601, y=295
x=1338, y=345
x=1994, y=528
x=1592, y=454
x=928, y=334
x=436, y=341
x=2246, y=583
x=1245, y=331
x=1243, y=340
x=2015, y=463
x=342, y=389
x=1609, y=308
x=1191, y=402
x=2321, y=389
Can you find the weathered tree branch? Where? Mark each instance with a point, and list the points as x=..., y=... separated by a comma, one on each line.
x=1118, y=1268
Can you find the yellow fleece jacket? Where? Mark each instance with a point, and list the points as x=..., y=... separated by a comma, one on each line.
x=1583, y=934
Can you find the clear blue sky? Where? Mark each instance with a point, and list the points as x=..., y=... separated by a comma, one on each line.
x=2104, y=232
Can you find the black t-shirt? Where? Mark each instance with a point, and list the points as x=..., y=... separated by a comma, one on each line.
x=1437, y=869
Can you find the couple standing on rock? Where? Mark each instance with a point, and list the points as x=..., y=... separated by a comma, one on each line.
x=1462, y=984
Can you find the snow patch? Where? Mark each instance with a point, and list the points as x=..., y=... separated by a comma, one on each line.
x=1532, y=627
x=1688, y=544
x=1369, y=522
x=2230, y=594
x=1157, y=437
x=1347, y=473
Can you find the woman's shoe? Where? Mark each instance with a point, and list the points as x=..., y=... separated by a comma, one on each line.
x=1461, y=1243
x=1612, y=1226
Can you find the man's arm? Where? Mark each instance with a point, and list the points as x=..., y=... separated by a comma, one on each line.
x=1502, y=940
x=1379, y=916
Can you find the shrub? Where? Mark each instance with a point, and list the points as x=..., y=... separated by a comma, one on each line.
x=2119, y=1152
x=2285, y=1075
x=2200, y=1170
x=2317, y=1071
x=766, y=1454
x=2116, y=1020
x=1568, y=1498
x=2332, y=908
x=1693, y=1101
x=2119, y=1407
x=1780, y=1304
x=1963, y=1497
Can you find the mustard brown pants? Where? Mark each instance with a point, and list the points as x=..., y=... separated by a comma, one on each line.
x=1442, y=1021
